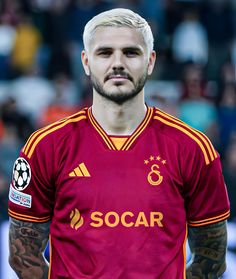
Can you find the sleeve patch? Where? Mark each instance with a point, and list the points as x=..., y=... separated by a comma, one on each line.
x=20, y=198
x=21, y=174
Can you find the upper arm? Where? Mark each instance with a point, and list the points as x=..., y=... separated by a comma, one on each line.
x=27, y=242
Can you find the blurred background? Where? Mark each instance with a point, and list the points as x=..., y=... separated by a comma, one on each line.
x=42, y=80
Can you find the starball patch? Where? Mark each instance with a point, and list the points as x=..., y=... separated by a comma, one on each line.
x=21, y=174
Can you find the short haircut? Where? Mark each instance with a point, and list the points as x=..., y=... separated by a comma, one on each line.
x=118, y=18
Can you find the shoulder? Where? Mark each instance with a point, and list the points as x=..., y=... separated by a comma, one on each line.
x=188, y=139
x=55, y=132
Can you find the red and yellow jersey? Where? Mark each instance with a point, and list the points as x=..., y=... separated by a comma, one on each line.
x=119, y=206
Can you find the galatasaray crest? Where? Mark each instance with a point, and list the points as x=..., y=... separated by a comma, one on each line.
x=154, y=176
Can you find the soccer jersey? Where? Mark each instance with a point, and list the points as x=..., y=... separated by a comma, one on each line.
x=119, y=206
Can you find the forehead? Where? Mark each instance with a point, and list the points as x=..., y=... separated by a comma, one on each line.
x=116, y=37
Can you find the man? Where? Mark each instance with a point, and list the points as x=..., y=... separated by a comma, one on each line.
x=120, y=185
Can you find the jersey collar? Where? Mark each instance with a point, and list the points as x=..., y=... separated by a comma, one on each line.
x=130, y=139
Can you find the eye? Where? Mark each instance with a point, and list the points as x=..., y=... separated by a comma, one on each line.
x=104, y=53
x=131, y=53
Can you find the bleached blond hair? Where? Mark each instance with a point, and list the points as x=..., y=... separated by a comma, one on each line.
x=118, y=18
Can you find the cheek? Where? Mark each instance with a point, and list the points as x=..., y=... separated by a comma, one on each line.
x=96, y=70
x=100, y=65
x=139, y=66
x=100, y=71
x=140, y=70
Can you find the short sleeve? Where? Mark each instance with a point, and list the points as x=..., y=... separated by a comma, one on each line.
x=32, y=191
x=206, y=197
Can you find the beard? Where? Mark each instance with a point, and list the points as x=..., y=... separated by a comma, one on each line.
x=120, y=97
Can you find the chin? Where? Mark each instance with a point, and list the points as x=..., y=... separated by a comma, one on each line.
x=118, y=90
x=119, y=97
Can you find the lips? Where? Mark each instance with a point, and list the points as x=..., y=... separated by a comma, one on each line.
x=118, y=77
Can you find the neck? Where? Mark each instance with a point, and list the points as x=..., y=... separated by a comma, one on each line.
x=119, y=119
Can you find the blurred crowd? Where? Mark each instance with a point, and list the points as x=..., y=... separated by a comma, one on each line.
x=42, y=80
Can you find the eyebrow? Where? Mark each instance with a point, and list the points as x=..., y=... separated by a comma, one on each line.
x=107, y=48
x=133, y=48
x=103, y=48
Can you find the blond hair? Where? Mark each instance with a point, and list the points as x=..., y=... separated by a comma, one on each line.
x=118, y=18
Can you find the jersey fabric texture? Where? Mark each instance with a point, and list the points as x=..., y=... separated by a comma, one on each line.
x=120, y=206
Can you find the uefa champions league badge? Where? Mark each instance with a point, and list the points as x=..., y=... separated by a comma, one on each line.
x=21, y=174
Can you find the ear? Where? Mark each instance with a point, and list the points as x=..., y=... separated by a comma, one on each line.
x=151, y=62
x=85, y=62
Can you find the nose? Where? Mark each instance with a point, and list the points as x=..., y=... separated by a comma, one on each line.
x=118, y=63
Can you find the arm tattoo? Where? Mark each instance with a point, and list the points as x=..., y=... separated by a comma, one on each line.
x=208, y=245
x=27, y=243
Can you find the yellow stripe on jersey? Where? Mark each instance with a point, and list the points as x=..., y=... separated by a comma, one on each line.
x=30, y=139
x=40, y=134
x=139, y=130
x=28, y=217
x=202, y=141
x=99, y=129
x=187, y=133
x=208, y=221
x=204, y=138
x=34, y=135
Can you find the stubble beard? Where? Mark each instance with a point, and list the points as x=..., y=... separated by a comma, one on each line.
x=119, y=98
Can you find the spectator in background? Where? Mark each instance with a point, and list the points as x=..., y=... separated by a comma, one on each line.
x=218, y=20
x=26, y=46
x=12, y=9
x=32, y=93
x=195, y=109
x=190, y=42
x=56, y=37
x=7, y=39
x=227, y=73
x=65, y=103
x=227, y=114
x=16, y=127
x=12, y=117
